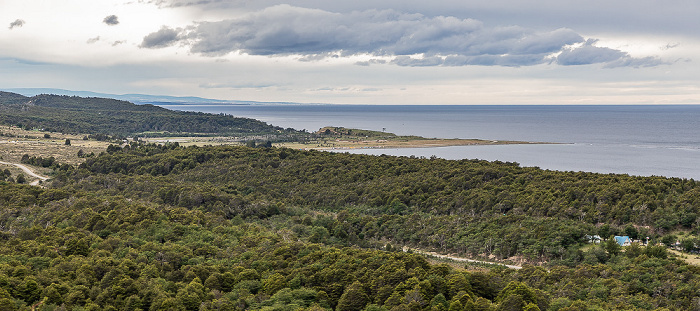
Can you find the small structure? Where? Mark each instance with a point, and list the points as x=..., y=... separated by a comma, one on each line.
x=623, y=240
x=595, y=239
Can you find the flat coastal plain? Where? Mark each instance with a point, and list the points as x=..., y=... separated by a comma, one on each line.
x=341, y=144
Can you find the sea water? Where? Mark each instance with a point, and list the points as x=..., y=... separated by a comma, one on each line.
x=636, y=140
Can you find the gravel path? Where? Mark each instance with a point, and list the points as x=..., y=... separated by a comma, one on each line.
x=29, y=172
x=460, y=258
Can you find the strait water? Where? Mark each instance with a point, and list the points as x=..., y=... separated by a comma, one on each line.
x=635, y=140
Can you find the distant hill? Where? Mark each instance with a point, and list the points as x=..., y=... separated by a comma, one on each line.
x=137, y=98
x=94, y=115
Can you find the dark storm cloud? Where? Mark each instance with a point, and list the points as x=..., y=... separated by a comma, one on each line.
x=16, y=23
x=111, y=20
x=162, y=38
x=411, y=39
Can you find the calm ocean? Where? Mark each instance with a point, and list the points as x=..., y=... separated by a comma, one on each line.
x=635, y=140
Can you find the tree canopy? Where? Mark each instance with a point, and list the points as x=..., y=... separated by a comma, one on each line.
x=164, y=227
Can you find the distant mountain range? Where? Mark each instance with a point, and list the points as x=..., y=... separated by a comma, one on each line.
x=139, y=98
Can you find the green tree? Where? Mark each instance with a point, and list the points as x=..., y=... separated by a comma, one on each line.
x=531, y=307
x=6, y=303
x=29, y=290
x=456, y=283
x=631, y=231
x=605, y=231
x=192, y=295
x=456, y=305
x=512, y=303
x=53, y=294
x=688, y=245
x=273, y=283
x=634, y=250
x=439, y=303
x=526, y=293
x=669, y=240
x=77, y=246
x=612, y=247
x=374, y=307
x=353, y=299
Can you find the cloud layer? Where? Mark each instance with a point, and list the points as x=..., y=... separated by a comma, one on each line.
x=407, y=39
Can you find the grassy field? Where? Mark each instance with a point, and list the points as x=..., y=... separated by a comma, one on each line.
x=16, y=142
x=342, y=138
x=331, y=138
x=331, y=143
x=397, y=142
x=692, y=259
x=196, y=141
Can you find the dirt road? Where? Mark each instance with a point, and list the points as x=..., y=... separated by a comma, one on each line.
x=29, y=172
x=460, y=258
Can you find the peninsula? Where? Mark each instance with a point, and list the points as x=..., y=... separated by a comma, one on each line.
x=334, y=138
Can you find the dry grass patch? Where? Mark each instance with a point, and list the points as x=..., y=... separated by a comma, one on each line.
x=16, y=142
x=196, y=141
x=398, y=142
x=692, y=259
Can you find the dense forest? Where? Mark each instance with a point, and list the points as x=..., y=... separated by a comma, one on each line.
x=72, y=114
x=470, y=206
x=164, y=227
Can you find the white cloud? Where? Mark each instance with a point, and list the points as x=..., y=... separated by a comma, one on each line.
x=162, y=38
x=436, y=41
x=589, y=53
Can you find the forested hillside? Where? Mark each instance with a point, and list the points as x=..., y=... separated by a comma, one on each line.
x=71, y=114
x=162, y=227
x=470, y=206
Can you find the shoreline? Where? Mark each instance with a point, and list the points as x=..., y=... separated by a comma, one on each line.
x=401, y=144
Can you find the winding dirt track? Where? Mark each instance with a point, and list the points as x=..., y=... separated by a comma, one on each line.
x=29, y=172
x=460, y=258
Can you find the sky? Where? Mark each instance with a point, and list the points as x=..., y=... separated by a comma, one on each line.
x=449, y=52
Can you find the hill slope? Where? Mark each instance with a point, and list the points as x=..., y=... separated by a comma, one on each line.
x=236, y=228
x=71, y=114
x=469, y=206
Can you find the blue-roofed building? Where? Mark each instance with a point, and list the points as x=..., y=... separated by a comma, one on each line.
x=623, y=240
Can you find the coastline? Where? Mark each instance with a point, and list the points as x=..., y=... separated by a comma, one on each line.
x=400, y=143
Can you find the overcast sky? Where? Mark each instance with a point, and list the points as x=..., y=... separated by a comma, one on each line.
x=361, y=51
